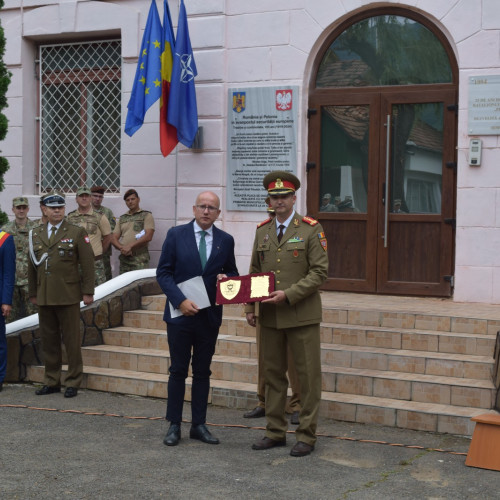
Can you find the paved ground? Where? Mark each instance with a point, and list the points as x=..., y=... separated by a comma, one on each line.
x=91, y=447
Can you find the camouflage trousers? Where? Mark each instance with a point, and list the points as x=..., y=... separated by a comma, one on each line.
x=134, y=263
x=106, y=259
x=100, y=273
x=21, y=305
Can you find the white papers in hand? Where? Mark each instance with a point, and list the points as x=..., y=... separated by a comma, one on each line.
x=194, y=289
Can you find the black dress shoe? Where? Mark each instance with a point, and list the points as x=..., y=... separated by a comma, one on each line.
x=1, y=386
x=203, y=434
x=265, y=443
x=294, y=419
x=301, y=449
x=47, y=390
x=70, y=392
x=173, y=435
x=257, y=412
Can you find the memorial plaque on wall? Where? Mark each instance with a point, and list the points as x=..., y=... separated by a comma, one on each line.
x=484, y=105
x=261, y=136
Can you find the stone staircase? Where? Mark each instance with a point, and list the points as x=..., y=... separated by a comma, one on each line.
x=424, y=370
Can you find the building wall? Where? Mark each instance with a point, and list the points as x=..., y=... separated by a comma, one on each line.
x=241, y=43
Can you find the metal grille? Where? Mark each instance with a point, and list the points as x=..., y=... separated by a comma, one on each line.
x=80, y=116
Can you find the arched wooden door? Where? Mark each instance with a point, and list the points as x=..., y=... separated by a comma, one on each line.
x=382, y=166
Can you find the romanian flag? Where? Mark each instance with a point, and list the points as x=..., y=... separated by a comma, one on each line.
x=147, y=82
x=182, y=109
x=168, y=133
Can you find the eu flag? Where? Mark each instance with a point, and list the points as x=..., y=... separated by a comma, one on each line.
x=147, y=83
x=182, y=110
x=168, y=133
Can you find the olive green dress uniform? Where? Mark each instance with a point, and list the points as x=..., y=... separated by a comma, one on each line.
x=21, y=305
x=106, y=256
x=97, y=226
x=300, y=264
x=127, y=227
x=59, y=288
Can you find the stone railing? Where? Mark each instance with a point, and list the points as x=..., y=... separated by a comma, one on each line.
x=24, y=344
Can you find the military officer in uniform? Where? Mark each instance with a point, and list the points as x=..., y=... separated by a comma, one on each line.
x=19, y=228
x=97, y=197
x=59, y=250
x=97, y=226
x=295, y=249
x=293, y=405
x=132, y=234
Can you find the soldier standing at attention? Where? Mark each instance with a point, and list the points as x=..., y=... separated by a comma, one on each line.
x=19, y=228
x=97, y=227
x=97, y=197
x=294, y=248
x=293, y=406
x=132, y=234
x=59, y=252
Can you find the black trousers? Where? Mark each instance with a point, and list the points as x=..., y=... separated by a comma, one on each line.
x=194, y=342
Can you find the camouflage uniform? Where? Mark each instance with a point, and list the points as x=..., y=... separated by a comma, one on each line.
x=97, y=226
x=127, y=227
x=106, y=256
x=21, y=305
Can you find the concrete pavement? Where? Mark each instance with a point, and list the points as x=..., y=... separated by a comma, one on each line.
x=102, y=445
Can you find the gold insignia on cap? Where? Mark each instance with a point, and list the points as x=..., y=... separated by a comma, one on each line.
x=279, y=184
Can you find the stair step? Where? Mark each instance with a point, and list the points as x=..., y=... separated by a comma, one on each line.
x=428, y=363
x=414, y=339
x=390, y=311
x=347, y=407
x=340, y=355
x=406, y=386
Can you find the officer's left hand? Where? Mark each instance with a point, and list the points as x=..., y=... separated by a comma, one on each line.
x=276, y=297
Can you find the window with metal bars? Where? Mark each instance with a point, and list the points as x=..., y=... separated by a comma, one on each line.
x=80, y=115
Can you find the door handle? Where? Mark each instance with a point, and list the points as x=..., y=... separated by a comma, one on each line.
x=386, y=183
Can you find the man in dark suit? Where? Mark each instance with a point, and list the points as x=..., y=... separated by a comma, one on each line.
x=7, y=281
x=58, y=251
x=191, y=250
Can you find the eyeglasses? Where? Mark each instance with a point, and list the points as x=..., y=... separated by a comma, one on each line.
x=207, y=207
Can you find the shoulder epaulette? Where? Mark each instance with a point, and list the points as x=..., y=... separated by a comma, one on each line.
x=309, y=220
x=264, y=222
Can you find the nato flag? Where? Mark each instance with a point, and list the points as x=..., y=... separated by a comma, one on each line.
x=182, y=110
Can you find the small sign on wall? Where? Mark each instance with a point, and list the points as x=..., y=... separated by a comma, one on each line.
x=484, y=105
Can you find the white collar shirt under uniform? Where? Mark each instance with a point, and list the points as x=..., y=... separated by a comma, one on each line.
x=286, y=223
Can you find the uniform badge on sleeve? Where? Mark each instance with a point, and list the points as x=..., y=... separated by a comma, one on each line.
x=87, y=240
x=322, y=240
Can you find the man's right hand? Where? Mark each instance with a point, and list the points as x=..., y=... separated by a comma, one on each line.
x=188, y=308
